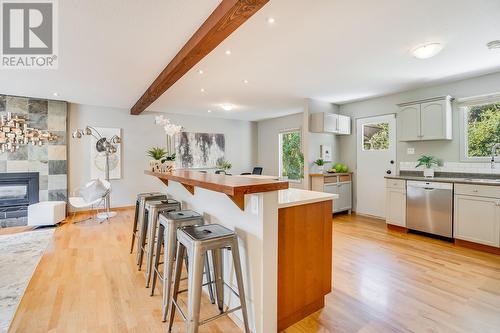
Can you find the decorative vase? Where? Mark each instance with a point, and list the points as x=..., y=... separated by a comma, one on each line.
x=321, y=168
x=168, y=167
x=429, y=172
x=155, y=165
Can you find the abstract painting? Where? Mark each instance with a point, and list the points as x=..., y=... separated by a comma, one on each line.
x=199, y=150
x=98, y=160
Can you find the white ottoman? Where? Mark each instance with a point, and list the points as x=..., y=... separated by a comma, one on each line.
x=46, y=213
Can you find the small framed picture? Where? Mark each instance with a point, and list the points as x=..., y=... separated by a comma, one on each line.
x=325, y=153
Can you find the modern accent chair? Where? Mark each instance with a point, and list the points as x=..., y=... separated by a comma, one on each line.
x=255, y=171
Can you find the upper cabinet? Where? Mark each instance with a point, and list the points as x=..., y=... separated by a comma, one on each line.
x=323, y=122
x=429, y=119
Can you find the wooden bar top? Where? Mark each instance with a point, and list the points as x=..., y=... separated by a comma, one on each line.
x=233, y=186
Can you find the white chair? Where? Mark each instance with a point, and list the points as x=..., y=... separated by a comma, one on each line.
x=78, y=202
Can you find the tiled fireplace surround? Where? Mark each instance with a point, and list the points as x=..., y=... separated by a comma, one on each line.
x=49, y=160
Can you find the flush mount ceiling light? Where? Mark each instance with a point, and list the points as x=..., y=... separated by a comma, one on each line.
x=271, y=20
x=226, y=107
x=228, y=52
x=209, y=111
x=245, y=81
x=200, y=71
x=202, y=90
x=55, y=94
x=427, y=50
x=494, y=44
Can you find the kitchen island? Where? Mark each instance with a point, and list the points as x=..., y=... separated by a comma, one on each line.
x=285, y=239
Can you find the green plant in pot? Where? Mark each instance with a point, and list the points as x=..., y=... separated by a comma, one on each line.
x=320, y=163
x=224, y=165
x=428, y=162
x=157, y=154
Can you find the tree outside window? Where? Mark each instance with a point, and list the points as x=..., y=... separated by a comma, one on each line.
x=482, y=128
x=291, y=157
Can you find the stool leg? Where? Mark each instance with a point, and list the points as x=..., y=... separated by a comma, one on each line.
x=218, y=275
x=157, y=258
x=239, y=280
x=142, y=243
x=153, y=219
x=195, y=281
x=170, y=242
x=177, y=279
x=208, y=276
x=134, y=230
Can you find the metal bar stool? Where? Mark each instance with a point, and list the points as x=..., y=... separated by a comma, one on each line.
x=153, y=209
x=167, y=235
x=197, y=241
x=139, y=213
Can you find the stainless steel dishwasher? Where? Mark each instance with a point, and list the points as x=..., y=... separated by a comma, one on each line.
x=429, y=207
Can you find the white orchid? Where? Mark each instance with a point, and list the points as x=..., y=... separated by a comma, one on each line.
x=170, y=128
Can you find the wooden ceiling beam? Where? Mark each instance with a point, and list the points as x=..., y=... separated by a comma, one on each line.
x=225, y=19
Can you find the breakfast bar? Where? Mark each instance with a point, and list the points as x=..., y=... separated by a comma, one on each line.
x=285, y=240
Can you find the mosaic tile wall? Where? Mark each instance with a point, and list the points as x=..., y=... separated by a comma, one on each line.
x=50, y=160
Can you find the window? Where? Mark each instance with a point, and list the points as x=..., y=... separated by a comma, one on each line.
x=376, y=136
x=291, y=159
x=480, y=130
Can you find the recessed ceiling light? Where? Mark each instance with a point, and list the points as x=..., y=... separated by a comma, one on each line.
x=228, y=52
x=55, y=94
x=202, y=90
x=209, y=111
x=245, y=81
x=271, y=20
x=200, y=71
x=494, y=44
x=427, y=50
x=226, y=107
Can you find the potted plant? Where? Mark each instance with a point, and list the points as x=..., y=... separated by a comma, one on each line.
x=224, y=165
x=157, y=154
x=427, y=161
x=320, y=163
x=168, y=163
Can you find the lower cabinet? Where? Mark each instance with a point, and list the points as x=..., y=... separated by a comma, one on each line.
x=344, y=190
x=395, y=211
x=477, y=219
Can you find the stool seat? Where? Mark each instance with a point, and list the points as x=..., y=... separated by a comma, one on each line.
x=139, y=219
x=207, y=232
x=185, y=214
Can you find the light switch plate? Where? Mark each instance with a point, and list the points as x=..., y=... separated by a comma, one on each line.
x=254, y=203
x=410, y=151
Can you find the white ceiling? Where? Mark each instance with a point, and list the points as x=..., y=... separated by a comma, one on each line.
x=333, y=50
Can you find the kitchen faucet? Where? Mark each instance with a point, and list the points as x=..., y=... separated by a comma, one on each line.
x=493, y=153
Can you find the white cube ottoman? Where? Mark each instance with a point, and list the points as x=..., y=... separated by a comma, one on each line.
x=46, y=213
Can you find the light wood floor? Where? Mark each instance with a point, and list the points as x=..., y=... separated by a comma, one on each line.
x=383, y=282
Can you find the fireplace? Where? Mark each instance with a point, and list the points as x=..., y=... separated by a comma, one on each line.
x=18, y=190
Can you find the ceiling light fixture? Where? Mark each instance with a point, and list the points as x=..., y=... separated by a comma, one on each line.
x=226, y=107
x=271, y=20
x=228, y=52
x=209, y=111
x=494, y=44
x=245, y=81
x=200, y=71
x=427, y=50
x=202, y=90
x=55, y=94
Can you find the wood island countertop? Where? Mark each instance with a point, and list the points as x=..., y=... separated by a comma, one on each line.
x=233, y=186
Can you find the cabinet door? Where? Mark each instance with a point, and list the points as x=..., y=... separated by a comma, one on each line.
x=345, y=198
x=331, y=123
x=344, y=125
x=477, y=219
x=409, y=123
x=434, y=120
x=396, y=207
x=332, y=188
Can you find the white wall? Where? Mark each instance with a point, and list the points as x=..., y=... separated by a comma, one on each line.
x=268, y=142
x=139, y=133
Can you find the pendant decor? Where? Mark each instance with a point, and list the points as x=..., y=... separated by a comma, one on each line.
x=15, y=132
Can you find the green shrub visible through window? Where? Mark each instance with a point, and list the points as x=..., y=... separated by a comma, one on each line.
x=483, y=129
x=292, y=159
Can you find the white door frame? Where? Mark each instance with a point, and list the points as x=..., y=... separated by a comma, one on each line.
x=379, y=185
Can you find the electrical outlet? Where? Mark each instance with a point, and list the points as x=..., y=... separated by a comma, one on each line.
x=410, y=151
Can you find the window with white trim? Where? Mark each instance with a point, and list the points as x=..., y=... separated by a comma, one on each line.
x=480, y=128
x=291, y=159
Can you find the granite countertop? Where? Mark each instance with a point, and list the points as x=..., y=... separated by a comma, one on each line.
x=473, y=179
x=295, y=197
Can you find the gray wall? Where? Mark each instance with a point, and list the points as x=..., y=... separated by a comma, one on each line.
x=140, y=133
x=448, y=151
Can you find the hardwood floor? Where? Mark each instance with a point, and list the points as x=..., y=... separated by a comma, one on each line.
x=384, y=281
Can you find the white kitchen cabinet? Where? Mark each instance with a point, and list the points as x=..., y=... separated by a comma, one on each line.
x=323, y=122
x=395, y=212
x=342, y=186
x=477, y=219
x=429, y=119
